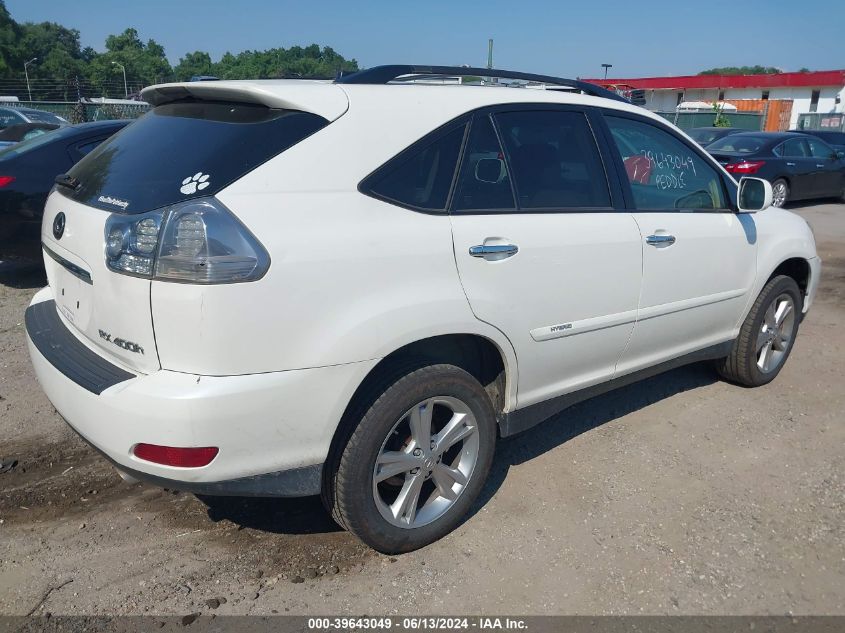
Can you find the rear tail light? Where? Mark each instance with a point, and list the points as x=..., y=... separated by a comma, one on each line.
x=745, y=167
x=6, y=180
x=198, y=241
x=175, y=456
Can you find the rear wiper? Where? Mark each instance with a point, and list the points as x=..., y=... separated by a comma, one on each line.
x=66, y=180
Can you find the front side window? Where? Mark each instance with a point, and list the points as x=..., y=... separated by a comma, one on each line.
x=819, y=149
x=422, y=177
x=554, y=160
x=484, y=182
x=664, y=172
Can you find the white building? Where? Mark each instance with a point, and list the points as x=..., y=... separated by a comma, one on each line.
x=819, y=91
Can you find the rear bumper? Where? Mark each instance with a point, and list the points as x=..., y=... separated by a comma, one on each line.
x=273, y=429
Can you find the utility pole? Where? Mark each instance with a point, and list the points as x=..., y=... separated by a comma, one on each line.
x=125, y=88
x=606, y=66
x=26, y=72
x=490, y=58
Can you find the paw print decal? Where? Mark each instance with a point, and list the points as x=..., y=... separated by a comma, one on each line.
x=197, y=182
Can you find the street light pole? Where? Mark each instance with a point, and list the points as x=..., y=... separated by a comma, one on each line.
x=123, y=68
x=606, y=66
x=26, y=72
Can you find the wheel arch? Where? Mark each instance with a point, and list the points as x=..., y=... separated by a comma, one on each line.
x=796, y=267
x=479, y=355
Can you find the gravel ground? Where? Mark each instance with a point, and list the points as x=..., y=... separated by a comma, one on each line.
x=681, y=494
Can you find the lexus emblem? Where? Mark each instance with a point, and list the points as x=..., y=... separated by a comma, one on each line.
x=59, y=225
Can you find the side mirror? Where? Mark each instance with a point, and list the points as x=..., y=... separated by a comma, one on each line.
x=755, y=194
x=490, y=170
x=840, y=155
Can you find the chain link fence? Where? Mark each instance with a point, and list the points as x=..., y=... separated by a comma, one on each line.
x=84, y=111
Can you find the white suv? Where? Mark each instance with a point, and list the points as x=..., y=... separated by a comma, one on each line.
x=352, y=288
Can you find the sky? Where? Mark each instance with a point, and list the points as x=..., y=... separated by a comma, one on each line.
x=572, y=39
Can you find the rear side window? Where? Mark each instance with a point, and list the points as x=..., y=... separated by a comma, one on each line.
x=185, y=149
x=484, y=182
x=664, y=172
x=421, y=177
x=554, y=160
x=793, y=148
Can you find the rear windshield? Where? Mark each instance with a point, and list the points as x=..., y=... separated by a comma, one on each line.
x=738, y=143
x=183, y=150
x=43, y=117
x=703, y=137
x=33, y=143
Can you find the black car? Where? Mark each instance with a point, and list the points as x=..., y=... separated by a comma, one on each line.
x=706, y=135
x=835, y=139
x=27, y=173
x=799, y=166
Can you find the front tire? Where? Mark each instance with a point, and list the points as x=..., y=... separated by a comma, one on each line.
x=780, y=192
x=416, y=461
x=767, y=335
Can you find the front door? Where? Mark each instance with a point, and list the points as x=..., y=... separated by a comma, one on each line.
x=829, y=168
x=699, y=257
x=799, y=168
x=541, y=252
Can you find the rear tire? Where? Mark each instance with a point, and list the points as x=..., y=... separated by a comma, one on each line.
x=767, y=335
x=416, y=461
x=780, y=192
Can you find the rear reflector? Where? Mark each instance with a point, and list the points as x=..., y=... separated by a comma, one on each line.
x=6, y=180
x=174, y=456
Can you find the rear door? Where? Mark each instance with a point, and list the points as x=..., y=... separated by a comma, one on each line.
x=542, y=253
x=699, y=257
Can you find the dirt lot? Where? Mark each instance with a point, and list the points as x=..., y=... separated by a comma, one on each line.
x=678, y=495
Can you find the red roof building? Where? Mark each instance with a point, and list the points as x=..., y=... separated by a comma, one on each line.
x=819, y=91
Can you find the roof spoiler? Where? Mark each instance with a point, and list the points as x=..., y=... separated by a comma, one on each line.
x=321, y=98
x=386, y=74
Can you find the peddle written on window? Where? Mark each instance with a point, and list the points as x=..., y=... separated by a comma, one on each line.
x=664, y=173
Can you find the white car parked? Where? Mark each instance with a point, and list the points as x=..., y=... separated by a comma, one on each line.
x=288, y=288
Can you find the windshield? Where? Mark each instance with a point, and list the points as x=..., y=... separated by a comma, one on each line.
x=738, y=143
x=185, y=149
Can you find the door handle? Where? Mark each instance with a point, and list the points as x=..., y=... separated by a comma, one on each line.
x=817, y=165
x=500, y=250
x=790, y=164
x=660, y=240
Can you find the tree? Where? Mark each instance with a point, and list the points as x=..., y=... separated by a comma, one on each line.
x=196, y=63
x=64, y=69
x=742, y=70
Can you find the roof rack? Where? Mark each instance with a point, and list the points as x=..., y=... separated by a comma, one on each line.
x=386, y=74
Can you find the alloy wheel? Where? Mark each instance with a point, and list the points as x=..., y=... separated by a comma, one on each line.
x=425, y=462
x=779, y=194
x=776, y=333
